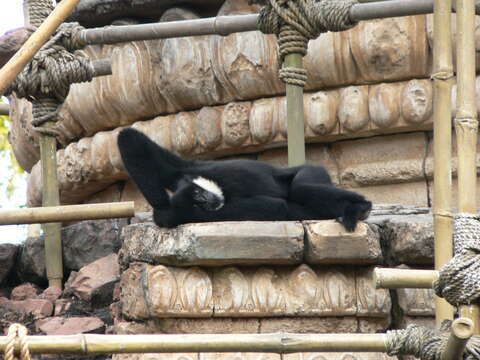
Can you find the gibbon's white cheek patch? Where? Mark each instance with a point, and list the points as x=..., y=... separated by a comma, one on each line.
x=210, y=186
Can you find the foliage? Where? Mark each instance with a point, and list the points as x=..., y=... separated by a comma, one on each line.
x=6, y=152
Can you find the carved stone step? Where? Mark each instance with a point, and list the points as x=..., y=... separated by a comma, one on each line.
x=250, y=243
x=150, y=292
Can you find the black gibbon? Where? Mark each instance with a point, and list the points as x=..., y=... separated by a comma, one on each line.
x=233, y=190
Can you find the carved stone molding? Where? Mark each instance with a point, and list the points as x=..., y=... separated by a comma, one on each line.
x=87, y=165
x=161, y=291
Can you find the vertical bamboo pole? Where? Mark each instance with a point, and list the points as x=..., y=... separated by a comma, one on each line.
x=442, y=144
x=466, y=124
x=295, y=122
x=50, y=194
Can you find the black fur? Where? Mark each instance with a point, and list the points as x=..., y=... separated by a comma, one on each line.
x=252, y=190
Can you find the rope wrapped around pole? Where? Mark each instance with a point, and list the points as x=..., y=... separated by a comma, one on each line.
x=459, y=279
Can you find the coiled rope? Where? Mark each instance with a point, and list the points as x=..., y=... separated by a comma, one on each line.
x=297, y=22
x=16, y=332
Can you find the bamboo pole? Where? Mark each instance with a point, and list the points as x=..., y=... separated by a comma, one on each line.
x=16, y=64
x=442, y=75
x=295, y=115
x=280, y=343
x=225, y=25
x=466, y=124
x=67, y=213
x=461, y=332
x=403, y=278
x=4, y=109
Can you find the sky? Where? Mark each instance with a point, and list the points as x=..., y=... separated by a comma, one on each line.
x=11, y=17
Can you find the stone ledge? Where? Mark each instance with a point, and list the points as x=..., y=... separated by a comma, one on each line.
x=150, y=292
x=250, y=243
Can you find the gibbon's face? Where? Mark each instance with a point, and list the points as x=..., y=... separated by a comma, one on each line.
x=207, y=194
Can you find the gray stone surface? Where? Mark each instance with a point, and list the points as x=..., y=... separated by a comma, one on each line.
x=83, y=243
x=408, y=239
x=8, y=253
x=327, y=242
x=221, y=243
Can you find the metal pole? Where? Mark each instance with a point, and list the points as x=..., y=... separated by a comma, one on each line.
x=89, y=344
x=466, y=124
x=67, y=213
x=442, y=75
x=225, y=25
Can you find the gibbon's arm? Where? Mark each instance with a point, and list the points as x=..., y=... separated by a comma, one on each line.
x=151, y=167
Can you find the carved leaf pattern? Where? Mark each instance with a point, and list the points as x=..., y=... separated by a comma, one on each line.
x=231, y=290
x=267, y=296
x=195, y=290
x=162, y=288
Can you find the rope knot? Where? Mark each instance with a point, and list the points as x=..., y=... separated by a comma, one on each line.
x=427, y=344
x=17, y=332
x=459, y=279
x=297, y=22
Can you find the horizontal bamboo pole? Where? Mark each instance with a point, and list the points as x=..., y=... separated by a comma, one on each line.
x=280, y=343
x=50, y=214
x=461, y=331
x=4, y=109
x=225, y=25
x=16, y=64
x=404, y=278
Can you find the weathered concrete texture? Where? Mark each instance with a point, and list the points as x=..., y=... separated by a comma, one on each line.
x=83, y=243
x=409, y=239
x=215, y=244
x=327, y=242
x=159, y=291
x=8, y=253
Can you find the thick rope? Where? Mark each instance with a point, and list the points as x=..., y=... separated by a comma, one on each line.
x=16, y=332
x=427, y=344
x=459, y=279
x=46, y=80
x=37, y=11
x=297, y=22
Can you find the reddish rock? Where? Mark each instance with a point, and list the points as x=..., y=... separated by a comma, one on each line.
x=61, y=306
x=25, y=291
x=52, y=293
x=70, y=326
x=97, y=280
x=39, y=308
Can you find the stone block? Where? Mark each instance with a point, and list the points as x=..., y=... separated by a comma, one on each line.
x=39, y=308
x=70, y=326
x=406, y=193
x=222, y=243
x=416, y=302
x=305, y=325
x=327, y=242
x=337, y=356
x=371, y=302
x=25, y=291
x=160, y=291
x=410, y=238
x=8, y=254
x=96, y=280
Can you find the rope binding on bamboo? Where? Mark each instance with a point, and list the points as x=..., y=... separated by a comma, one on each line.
x=459, y=279
x=297, y=22
x=17, y=332
x=46, y=79
x=427, y=344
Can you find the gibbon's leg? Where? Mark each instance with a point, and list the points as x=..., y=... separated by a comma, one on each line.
x=319, y=201
x=151, y=167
